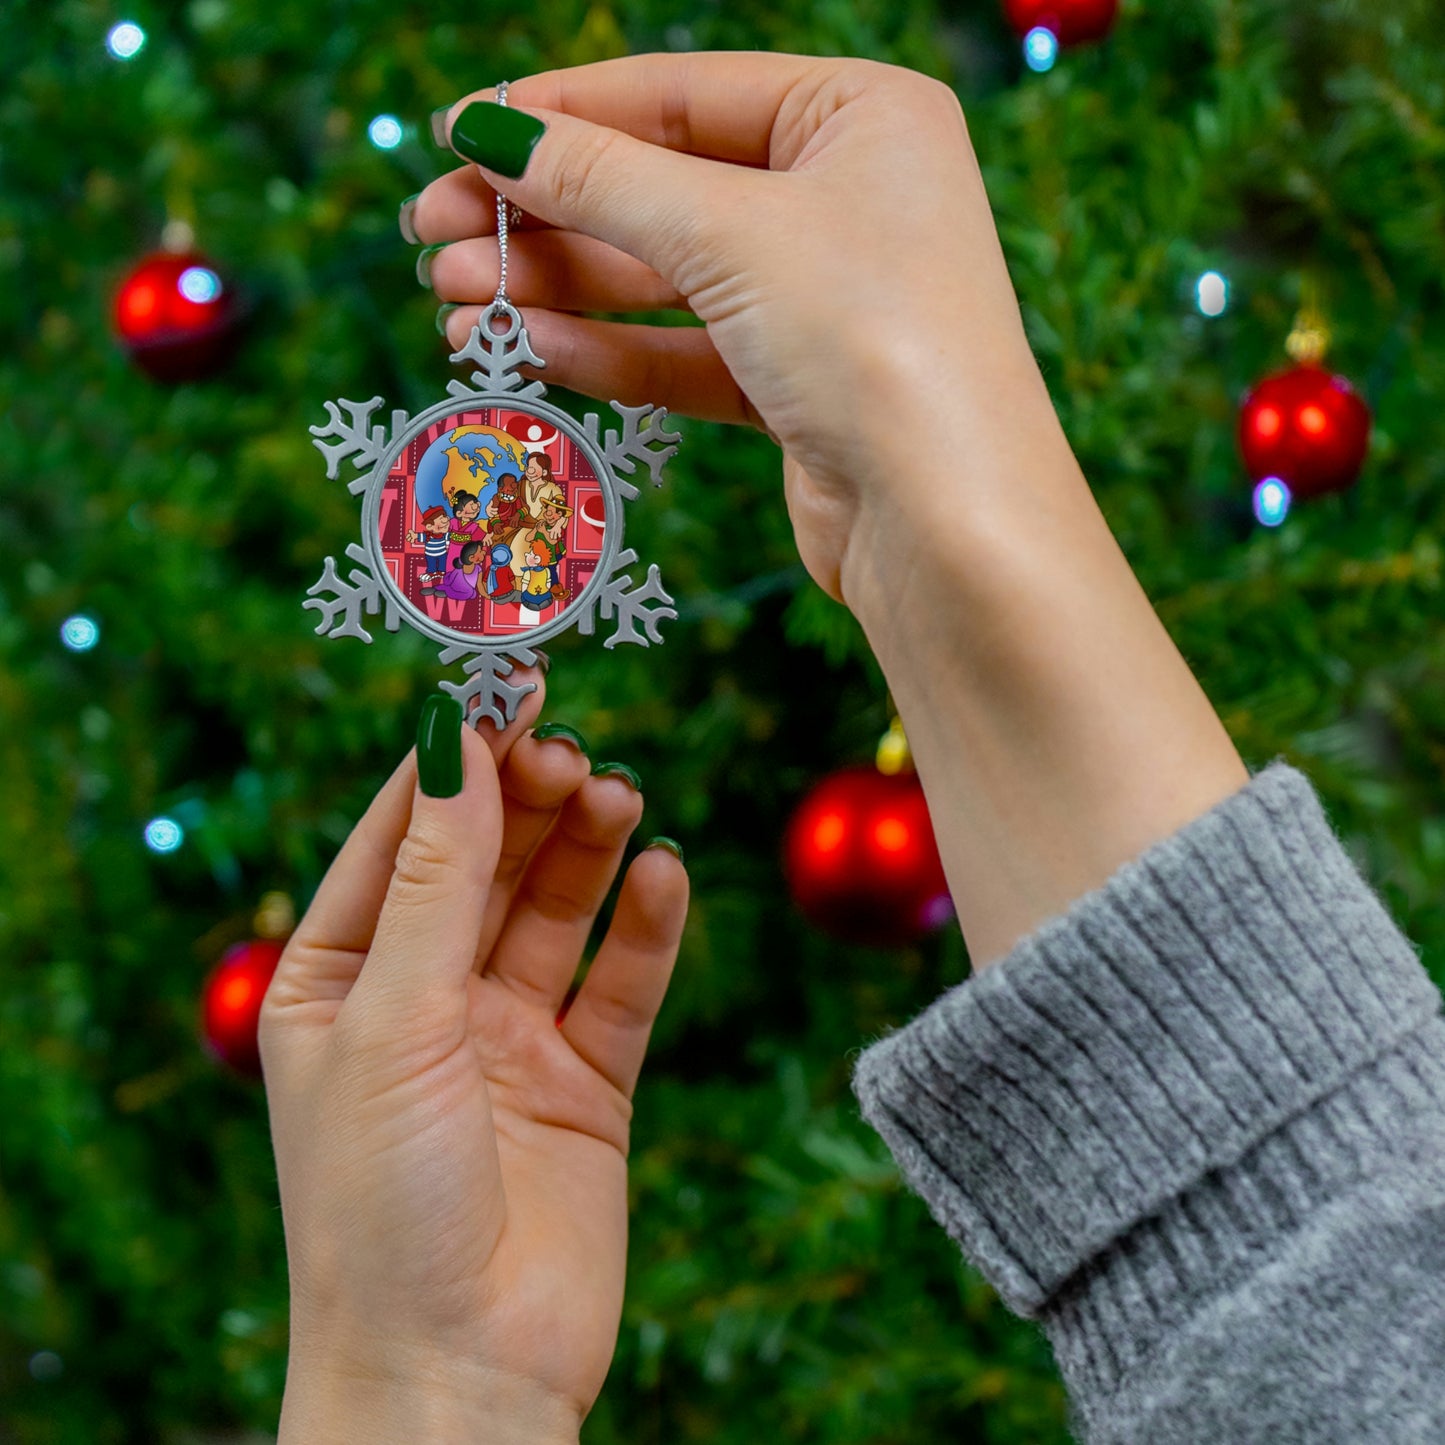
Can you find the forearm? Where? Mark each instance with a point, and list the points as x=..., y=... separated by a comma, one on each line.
x=1057, y=730
x=416, y=1402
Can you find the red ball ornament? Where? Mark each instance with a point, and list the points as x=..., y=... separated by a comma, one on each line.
x=1307, y=427
x=176, y=317
x=861, y=860
x=231, y=1003
x=1073, y=22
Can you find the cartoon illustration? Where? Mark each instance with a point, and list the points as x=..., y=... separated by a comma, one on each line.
x=500, y=584
x=465, y=573
x=435, y=524
x=467, y=525
x=508, y=509
x=554, y=513
x=538, y=480
x=540, y=569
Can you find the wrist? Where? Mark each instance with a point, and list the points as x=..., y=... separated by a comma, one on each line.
x=416, y=1397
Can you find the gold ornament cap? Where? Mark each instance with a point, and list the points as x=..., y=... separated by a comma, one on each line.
x=894, y=755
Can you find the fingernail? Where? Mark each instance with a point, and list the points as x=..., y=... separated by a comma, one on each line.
x=423, y=263
x=496, y=136
x=439, y=125
x=404, y=219
x=443, y=311
x=439, y=747
x=619, y=770
x=671, y=844
x=543, y=661
x=561, y=730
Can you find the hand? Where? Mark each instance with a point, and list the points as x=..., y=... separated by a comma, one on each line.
x=452, y=1160
x=825, y=218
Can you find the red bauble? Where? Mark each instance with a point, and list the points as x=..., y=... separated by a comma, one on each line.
x=861, y=860
x=176, y=317
x=1306, y=427
x=1072, y=21
x=231, y=1003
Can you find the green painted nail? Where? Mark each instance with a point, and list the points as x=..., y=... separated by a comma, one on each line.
x=496, y=136
x=404, y=219
x=561, y=730
x=423, y=262
x=439, y=126
x=620, y=770
x=671, y=844
x=439, y=747
x=443, y=311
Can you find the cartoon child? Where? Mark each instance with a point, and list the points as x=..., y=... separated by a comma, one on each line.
x=467, y=525
x=555, y=512
x=500, y=584
x=540, y=565
x=435, y=524
x=466, y=572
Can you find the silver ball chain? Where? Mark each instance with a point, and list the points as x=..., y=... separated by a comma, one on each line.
x=501, y=301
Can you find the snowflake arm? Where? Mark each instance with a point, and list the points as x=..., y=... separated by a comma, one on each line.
x=341, y=613
x=486, y=693
x=359, y=440
x=643, y=438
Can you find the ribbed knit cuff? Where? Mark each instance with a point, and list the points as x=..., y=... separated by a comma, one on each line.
x=1224, y=982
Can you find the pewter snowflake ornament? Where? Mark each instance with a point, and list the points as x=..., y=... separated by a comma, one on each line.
x=492, y=521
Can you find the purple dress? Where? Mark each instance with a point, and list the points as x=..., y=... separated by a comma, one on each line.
x=461, y=585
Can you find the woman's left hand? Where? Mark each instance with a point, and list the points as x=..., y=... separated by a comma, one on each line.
x=452, y=1159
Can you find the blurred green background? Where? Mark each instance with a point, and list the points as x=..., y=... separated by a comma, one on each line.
x=783, y=1286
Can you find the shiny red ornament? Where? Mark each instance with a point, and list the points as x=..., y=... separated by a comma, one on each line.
x=176, y=317
x=231, y=1003
x=1307, y=427
x=861, y=860
x=1073, y=22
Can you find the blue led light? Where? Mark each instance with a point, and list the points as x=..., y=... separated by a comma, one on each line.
x=385, y=132
x=164, y=835
x=126, y=40
x=1211, y=294
x=80, y=633
x=1271, y=502
x=1041, y=48
x=199, y=284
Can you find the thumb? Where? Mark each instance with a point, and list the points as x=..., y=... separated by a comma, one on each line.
x=426, y=934
x=656, y=204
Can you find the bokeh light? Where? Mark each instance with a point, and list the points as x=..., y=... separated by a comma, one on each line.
x=80, y=633
x=199, y=284
x=385, y=132
x=126, y=40
x=1271, y=502
x=1041, y=48
x=1211, y=294
x=164, y=835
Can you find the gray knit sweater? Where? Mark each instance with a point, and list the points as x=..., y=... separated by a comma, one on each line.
x=1195, y=1126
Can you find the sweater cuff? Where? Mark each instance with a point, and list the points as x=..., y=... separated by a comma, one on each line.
x=1226, y=980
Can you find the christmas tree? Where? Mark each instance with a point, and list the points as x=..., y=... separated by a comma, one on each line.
x=177, y=743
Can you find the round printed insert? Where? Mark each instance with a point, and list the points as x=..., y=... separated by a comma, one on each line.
x=492, y=521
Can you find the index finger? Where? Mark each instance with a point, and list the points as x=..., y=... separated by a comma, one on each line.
x=722, y=105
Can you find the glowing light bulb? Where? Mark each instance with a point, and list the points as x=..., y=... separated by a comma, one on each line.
x=1041, y=48
x=829, y=832
x=164, y=835
x=199, y=284
x=80, y=633
x=385, y=132
x=126, y=40
x=1211, y=293
x=1271, y=502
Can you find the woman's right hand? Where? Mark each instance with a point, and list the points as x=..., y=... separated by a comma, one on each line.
x=825, y=218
